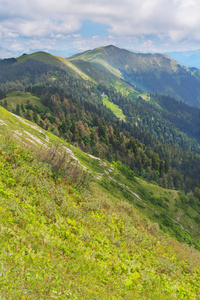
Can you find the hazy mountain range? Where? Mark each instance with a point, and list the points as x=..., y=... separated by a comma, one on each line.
x=187, y=58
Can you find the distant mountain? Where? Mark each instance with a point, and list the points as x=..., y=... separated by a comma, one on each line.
x=152, y=73
x=155, y=73
x=187, y=58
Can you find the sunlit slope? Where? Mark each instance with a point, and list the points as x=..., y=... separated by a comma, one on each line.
x=98, y=74
x=18, y=97
x=63, y=240
x=36, y=68
x=149, y=72
x=176, y=213
x=101, y=75
x=52, y=60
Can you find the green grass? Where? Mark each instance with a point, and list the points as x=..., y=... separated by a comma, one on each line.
x=73, y=67
x=52, y=60
x=40, y=56
x=87, y=55
x=61, y=239
x=95, y=73
x=58, y=243
x=114, y=108
x=118, y=180
x=19, y=97
x=107, y=66
x=145, y=96
x=97, y=57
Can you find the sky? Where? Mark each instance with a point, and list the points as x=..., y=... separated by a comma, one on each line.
x=66, y=27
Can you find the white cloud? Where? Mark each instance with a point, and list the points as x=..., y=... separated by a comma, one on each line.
x=6, y=54
x=175, y=20
x=93, y=42
x=42, y=17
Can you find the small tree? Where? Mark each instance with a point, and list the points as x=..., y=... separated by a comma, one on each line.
x=197, y=193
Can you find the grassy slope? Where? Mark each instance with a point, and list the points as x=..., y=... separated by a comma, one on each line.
x=101, y=74
x=115, y=108
x=149, y=72
x=53, y=61
x=115, y=59
x=40, y=56
x=60, y=242
x=155, y=198
x=96, y=57
x=94, y=72
x=19, y=97
x=73, y=67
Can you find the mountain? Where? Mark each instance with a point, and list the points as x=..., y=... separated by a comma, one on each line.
x=17, y=73
x=75, y=226
x=123, y=69
x=99, y=180
x=156, y=136
x=155, y=73
x=189, y=59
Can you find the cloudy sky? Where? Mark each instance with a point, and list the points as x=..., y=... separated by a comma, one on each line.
x=65, y=27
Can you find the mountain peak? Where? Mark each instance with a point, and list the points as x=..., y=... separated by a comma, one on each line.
x=111, y=47
x=157, y=73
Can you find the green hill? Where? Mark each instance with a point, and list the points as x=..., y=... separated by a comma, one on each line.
x=75, y=226
x=52, y=60
x=150, y=72
x=124, y=70
x=36, y=68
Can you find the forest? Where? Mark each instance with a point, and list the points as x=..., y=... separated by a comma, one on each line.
x=155, y=142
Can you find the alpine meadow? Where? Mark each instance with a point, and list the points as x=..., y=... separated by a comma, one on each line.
x=99, y=176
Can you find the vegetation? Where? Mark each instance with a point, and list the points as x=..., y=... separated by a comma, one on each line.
x=64, y=241
x=148, y=142
x=78, y=114
x=99, y=183
x=155, y=73
x=113, y=107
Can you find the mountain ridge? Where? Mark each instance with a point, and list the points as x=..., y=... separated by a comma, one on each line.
x=190, y=58
x=150, y=72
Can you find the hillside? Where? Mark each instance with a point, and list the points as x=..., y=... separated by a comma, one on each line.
x=153, y=138
x=124, y=70
x=18, y=73
x=155, y=73
x=48, y=59
x=91, y=238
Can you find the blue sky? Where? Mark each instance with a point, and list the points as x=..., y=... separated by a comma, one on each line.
x=66, y=27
